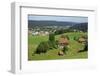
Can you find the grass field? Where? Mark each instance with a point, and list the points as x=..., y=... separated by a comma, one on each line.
x=72, y=53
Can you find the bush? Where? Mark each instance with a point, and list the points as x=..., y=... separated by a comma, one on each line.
x=65, y=48
x=42, y=48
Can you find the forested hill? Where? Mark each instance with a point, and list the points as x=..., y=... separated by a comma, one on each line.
x=32, y=23
x=80, y=26
x=72, y=25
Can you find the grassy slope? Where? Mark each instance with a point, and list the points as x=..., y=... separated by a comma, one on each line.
x=33, y=42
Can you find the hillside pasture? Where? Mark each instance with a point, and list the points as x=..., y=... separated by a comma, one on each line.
x=72, y=53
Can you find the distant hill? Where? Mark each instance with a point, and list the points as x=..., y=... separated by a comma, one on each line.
x=33, y=23
x=80, y=26
x=51, y=24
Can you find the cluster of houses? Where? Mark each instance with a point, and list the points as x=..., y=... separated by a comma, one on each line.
x=63, y=41
x=40, y=33
x=34, y=33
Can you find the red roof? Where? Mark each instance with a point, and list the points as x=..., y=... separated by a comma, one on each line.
x=63, y=40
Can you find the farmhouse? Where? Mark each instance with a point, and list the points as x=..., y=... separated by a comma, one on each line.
x=81, y=40
x=35, y=33
x=63, y=41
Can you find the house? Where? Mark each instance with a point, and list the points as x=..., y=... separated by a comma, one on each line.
x=35, y=33
x=82, y=40
x=43, y=33
x=39, y=33
x=63, y=41
x=46, y=33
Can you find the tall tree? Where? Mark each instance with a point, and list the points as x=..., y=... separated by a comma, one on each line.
x=51, y=37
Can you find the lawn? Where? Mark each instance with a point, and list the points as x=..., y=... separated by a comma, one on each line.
x=72, y=53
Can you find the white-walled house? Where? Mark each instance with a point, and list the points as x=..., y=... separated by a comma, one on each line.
x=35, y=33
x=41, y=33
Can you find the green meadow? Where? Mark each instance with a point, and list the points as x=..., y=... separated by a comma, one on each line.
x=72, y=53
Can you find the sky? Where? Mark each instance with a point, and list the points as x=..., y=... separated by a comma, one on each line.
x=58, y=18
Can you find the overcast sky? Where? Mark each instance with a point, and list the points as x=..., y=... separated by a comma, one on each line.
x=59, y=18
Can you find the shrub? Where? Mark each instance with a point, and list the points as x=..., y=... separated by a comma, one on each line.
x=42, y=48
x=65, y=48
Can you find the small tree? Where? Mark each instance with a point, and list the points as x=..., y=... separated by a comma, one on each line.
x=51, y=37
x=52, y=43
x=65, y=48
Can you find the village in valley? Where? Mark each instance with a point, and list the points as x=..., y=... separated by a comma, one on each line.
x=49, y=40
